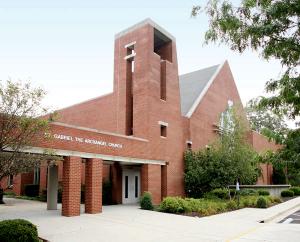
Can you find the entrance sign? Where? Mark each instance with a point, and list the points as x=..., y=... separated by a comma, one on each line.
x=84, y=140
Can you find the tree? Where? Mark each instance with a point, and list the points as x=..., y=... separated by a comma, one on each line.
x=264, y=121
x=266, y=26
x=286, y=161
x=227, y=159
x=20, y=126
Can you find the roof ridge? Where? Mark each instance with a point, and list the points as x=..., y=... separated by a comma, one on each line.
x=193, y=87
x=200, y=69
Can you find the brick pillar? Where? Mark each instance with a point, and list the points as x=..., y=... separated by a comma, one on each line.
x=151, y=181
x=116, y=183
x=71, y=186
x=164, y=180
x=93, y=186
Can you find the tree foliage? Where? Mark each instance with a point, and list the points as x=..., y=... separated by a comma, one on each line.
x=270, y=28
x=286, y=161
x=20, y=126
x=229, y=158
x=264, y=121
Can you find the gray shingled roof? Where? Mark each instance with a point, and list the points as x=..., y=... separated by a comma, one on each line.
x=192, y=84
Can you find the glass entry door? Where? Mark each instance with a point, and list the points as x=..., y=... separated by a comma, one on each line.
x=131, y=186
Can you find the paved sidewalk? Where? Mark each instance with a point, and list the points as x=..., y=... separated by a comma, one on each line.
x=129, y=223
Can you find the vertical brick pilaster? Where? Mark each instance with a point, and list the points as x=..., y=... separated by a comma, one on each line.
x=116, y=183
x=164, y=180
x=93, y=186
x=151, y=181
x=71, y=186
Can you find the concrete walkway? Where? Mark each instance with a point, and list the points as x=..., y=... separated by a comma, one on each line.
x=129, y=223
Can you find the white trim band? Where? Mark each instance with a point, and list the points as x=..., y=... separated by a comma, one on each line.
x=98, y=131
x=59, y=152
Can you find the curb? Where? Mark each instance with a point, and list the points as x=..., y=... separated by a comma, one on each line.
x=269, y=219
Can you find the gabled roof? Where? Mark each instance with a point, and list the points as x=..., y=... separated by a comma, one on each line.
x=194, y=85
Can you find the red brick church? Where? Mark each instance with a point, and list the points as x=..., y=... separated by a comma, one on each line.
x=136, y=136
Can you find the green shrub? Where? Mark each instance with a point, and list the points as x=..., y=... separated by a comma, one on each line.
x=221, y=193
x=277, y=200
x=248, y=192
x=172, y=205
x=17, y=230
x=272, y=200
x=32, y=190
x=248, y=201
x=231, y=205
x=296, y=190
x=263, y=193
x=146, y=201
x=261, y=202
x=287, y=193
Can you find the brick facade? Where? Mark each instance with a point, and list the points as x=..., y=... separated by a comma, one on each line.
x=127, y=124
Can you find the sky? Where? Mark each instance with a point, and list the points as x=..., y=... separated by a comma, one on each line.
x=67, y=47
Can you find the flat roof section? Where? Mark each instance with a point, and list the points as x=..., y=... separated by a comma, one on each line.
x=142, y=23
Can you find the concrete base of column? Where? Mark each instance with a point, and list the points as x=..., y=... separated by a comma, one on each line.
x=52, y=187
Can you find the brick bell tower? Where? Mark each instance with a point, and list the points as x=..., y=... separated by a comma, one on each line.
x=147, y=98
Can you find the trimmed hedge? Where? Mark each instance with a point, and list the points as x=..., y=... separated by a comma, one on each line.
x=206, y=207
x=263, y=193
x=287, y=193
x=146, y=201
x=17, y=230
x=261, y=202
x=296, y=190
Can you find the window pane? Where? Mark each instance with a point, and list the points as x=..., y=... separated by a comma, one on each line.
x=136, y=186
x=126, y=186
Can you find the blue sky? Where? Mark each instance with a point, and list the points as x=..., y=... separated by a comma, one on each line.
x=67, y=46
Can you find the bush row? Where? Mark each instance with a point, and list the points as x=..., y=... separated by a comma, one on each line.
x=206, y=207
x=293, y=191
x=224, y=193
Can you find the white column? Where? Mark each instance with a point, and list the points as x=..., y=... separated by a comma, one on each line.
x=52, y=187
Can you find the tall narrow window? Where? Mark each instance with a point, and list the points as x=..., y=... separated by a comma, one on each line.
x=36, y=176
x=136, y=186
x=129, y=93
x=163, y=81
x=126, y=186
